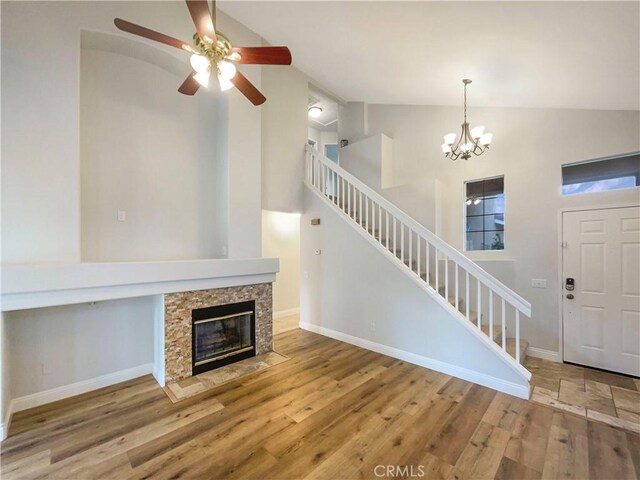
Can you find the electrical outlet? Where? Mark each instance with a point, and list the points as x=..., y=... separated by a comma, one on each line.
x=372, y=326
x=122, y=216
x=539, y=283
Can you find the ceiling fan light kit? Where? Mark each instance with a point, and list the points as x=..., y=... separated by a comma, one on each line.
x=212, y=52
x=472, y=140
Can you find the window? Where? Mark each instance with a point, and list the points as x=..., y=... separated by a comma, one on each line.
x=484, y=219
x=600, y=175
x=331, y=152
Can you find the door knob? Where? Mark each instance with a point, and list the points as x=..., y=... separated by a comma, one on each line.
x=570, y=296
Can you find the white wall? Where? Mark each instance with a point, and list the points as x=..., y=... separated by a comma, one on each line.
x=352, y=289
x=284, y=134
x=149, y=152
x=529, y=147
x=281, y=239
x=314, y=135
x=41, y=117
x=59, y=346
x=5, y=384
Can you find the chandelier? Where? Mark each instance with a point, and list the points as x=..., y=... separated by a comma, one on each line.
x=473, y=140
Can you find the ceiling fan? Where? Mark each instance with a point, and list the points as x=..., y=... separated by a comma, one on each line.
x=211, y=51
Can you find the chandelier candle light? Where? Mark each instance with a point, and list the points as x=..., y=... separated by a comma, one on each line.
x=473, y=140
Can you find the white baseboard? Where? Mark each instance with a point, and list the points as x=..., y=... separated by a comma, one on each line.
x=159, y=376
x=65, y=391
x=544, y=354
x=4, y=426
x=286, y=313
x=517, y=390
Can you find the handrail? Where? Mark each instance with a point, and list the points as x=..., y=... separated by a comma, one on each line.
x=489, y=280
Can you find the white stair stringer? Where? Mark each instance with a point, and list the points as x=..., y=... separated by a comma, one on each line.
x=461, y=295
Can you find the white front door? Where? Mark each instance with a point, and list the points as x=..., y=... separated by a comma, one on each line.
x=601, y=315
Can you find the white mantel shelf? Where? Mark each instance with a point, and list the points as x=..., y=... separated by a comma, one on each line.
x=47, y=285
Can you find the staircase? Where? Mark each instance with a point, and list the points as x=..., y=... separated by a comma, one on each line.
x=474, y=298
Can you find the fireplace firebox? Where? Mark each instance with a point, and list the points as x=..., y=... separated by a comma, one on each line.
x=222, y=335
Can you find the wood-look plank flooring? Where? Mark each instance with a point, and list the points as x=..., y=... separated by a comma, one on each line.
x=334, y=411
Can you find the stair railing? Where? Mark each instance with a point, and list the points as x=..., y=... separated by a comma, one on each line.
x=427, y=256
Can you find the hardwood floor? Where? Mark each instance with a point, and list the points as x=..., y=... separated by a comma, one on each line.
x=334, y=411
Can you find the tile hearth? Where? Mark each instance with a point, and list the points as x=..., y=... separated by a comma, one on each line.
x=191, y=386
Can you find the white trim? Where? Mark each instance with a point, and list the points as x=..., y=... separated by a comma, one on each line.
x=36, y=286
x=84, y=386
x=544, y=354
x=158, y=340
x=4, y=426
x=286, y=313
x=521, y=391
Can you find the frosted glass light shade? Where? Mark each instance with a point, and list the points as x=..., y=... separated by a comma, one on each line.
x=477, y=132
x=202, y=78
x=199, y=63
x=446, y=148
x=227, y=70
x=449, y=138
x=315, y=112
x=225, y=84
x=466, y=147
x=486, y=138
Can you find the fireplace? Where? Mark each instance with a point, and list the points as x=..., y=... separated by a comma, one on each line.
x=222, y=335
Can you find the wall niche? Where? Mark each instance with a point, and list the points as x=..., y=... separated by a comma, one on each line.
x=153, y=162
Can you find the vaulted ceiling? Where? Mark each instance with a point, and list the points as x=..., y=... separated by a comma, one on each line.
x=518, y=54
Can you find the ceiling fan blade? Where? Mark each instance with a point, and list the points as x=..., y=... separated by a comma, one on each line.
x=202, y=19
x=262, y=55
x=152, y=35
x=189, y=86
x=248, y=90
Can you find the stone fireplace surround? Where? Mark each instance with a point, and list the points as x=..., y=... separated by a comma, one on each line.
x=178, y=325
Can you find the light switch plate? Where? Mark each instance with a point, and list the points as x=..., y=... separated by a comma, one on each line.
x=539, y=283
x=122, y=216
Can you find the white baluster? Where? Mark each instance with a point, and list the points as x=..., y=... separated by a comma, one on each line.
x=349, y=199
x=426, y=244
x=455, y=265
x=395, y=242
x=446, y=278
x=419, y=239
x=479, y=303
x=402, y=242
x=504, y=326
x=437, y=288
x=411, y=249
x=380, y=223
x=491, y=314
x=517, y=335
x=360, y=216
x=466, y=298
x=366, y=213
x=387, y=227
